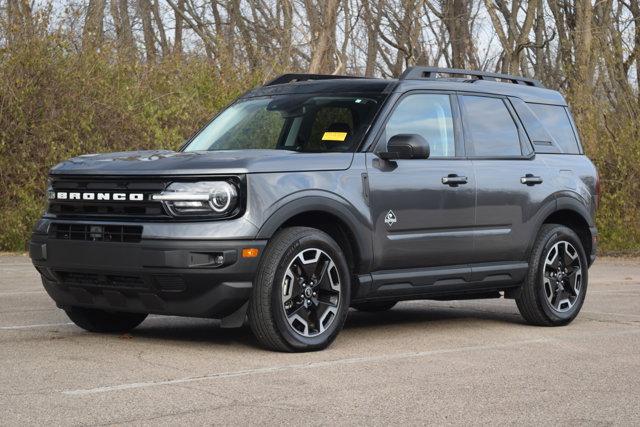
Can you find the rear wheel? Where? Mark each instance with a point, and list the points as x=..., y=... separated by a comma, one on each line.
x=556, y=284
x=95, y=320
x=374, y=306
x=301, y=292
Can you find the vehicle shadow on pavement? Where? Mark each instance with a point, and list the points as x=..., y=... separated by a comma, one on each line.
x=209, y=331
x=196, y=331
x=403, y=315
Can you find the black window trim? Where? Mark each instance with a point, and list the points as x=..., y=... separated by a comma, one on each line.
x=456, y=115
x=575, y=130
x=523, y=138
x=572, y=124
x=546, y=142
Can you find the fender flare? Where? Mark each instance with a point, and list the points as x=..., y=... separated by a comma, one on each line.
x=358, y=224
x=569, y=203
x=562, y=202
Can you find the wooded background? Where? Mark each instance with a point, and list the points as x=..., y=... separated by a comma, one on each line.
x=103, y=75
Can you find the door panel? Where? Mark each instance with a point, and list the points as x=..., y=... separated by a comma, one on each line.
x=506, y=208
x=423, y=209
x=433, y=221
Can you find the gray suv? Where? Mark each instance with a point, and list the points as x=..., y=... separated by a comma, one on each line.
x=315, y=193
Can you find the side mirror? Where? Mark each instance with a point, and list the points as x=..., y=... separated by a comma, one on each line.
x=406, y=146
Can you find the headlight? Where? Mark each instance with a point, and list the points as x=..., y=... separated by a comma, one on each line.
x=205, y=198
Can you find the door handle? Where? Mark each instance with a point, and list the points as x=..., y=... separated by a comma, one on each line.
x=530, y=180
x=454, y=180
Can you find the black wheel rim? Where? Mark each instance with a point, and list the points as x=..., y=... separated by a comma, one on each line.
x=562, y=276
x=311, y=292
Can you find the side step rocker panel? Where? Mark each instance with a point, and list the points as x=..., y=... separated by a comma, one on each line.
x=451, y=282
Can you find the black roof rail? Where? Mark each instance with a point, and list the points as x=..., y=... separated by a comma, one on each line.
x=301, y=77
x=417, y=73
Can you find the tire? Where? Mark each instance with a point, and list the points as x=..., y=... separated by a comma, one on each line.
x=289, y=311
x=374, y=306
x=94, y=320
x=556, y=284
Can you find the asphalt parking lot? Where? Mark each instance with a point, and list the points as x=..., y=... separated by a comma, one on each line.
x=471, y=362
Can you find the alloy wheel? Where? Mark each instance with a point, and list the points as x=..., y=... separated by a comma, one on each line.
x=562, y=276
x=311, y=292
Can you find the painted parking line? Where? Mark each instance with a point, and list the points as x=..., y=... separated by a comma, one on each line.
x=602, y=313
x=48, y=325
x=41, y=292
x=41, y=325
x=328, y=363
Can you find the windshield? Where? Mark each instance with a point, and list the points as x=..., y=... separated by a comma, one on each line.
x=305, y=123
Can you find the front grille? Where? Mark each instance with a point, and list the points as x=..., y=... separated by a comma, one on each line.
x=170, y=282
x=145, y=208
x=96, y=233
x=85, y=209
x=102, y=281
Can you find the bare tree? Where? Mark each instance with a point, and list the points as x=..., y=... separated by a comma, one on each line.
x=19, y=19
x=574, y=24
x=124, y=34
x=161, y=33
x=322, y=16
x=457, y=17
x=402, y=34
x=372, y=16
x=179, y=25
x=144, y=10
x=512, y=32
x=92, y=33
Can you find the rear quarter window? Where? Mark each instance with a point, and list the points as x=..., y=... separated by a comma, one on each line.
x=556, y=122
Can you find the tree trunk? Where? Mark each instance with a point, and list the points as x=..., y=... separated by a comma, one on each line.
x=164, y=43
x=237, y=21
x=19, y=20
x=122, y=24
x=539, y=49
x=584, y=20
x=144, y=9
x=457, y=20
x=322, y=18
x=177, y=34
x=92, y=32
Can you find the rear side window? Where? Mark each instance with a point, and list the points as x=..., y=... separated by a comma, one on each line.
x=490, y=127
x=555, y=119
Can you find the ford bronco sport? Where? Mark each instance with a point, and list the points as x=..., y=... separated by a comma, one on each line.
x=314, y=194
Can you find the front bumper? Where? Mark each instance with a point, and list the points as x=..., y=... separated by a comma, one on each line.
x=172, y=277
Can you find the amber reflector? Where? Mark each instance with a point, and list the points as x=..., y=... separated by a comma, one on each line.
x=250, y=252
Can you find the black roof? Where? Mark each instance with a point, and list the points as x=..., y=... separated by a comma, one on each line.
x=332, y=85
x=414, y=78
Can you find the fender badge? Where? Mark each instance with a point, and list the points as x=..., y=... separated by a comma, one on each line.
x=390, y=219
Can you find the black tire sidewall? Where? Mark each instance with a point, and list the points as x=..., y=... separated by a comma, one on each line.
x=321, y=241
x=555, y=235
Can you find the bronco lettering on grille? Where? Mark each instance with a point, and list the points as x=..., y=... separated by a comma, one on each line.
x=118, y=197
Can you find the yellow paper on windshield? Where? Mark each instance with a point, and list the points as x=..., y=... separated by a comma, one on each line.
x=334, y=136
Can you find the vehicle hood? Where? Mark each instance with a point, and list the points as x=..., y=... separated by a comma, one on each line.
x=164, y=162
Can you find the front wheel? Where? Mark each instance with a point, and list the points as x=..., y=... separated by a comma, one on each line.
x=556, y=284
x=301, y=292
